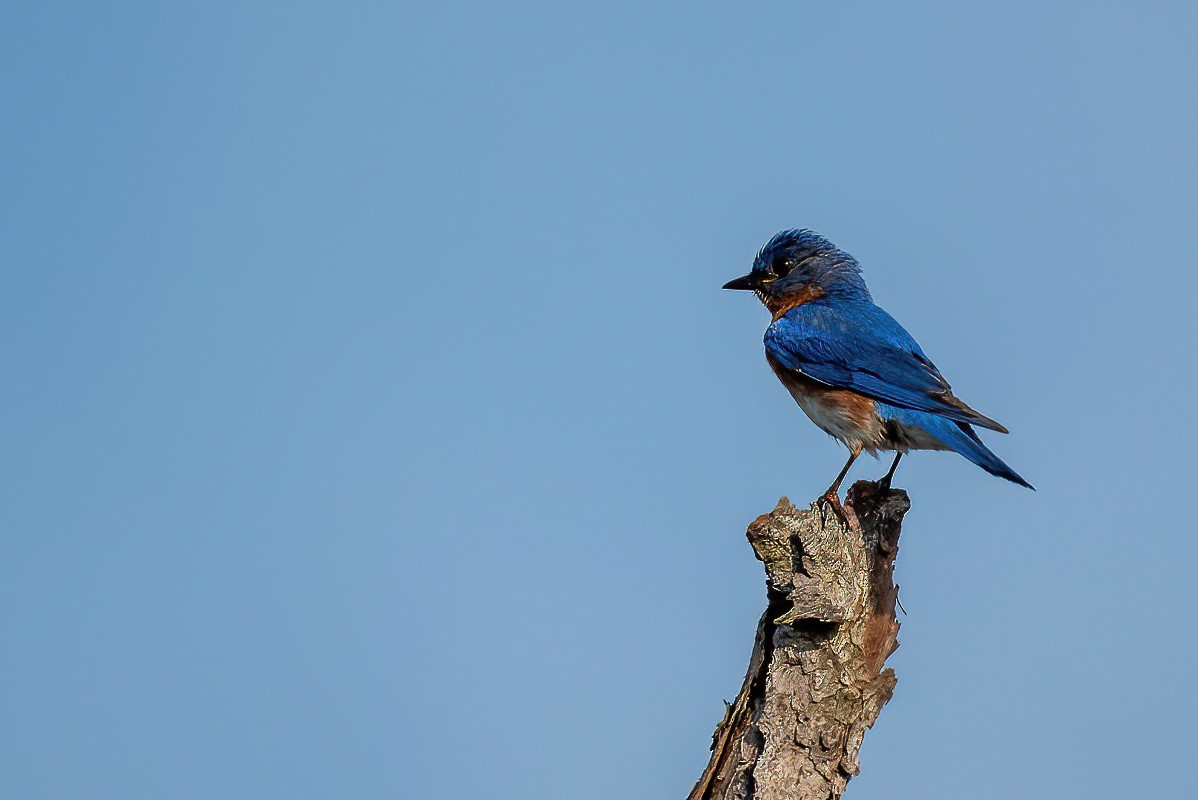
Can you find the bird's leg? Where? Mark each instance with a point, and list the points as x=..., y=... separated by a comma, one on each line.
x=832, y=495
x=885, y=482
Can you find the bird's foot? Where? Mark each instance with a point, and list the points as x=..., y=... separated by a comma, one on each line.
x=830, y=501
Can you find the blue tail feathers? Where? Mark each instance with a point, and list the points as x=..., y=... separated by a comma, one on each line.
x=958, y=437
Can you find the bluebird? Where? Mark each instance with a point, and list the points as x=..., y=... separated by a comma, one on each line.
x=850, y=366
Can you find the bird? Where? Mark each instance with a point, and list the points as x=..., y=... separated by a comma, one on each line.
x=851, y=367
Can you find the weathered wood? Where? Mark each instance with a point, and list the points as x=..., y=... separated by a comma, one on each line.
x=816, y=679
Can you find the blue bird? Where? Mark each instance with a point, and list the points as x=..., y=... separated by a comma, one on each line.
x=850, y=366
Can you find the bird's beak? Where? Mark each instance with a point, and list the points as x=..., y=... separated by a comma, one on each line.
x=744, y=283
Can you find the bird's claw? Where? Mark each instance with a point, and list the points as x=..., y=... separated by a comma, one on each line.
x=831, y=500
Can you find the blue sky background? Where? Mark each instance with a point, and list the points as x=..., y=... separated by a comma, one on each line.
x=374, y=425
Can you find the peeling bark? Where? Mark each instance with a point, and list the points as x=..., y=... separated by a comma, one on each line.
x=816, y=680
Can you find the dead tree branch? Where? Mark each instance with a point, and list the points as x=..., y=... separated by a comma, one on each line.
x=816, y=680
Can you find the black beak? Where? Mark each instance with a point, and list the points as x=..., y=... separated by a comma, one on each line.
x=745, y=283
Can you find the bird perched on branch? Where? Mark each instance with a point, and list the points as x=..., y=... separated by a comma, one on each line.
x=850, y=366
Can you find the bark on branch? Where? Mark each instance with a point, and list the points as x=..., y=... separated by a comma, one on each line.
x=816, y=680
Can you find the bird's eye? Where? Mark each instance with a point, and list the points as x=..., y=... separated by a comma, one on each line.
x=780, y=266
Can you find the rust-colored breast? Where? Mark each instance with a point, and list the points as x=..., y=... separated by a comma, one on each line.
x=843, y=413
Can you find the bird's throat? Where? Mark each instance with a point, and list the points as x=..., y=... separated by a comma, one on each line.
x=780, y=304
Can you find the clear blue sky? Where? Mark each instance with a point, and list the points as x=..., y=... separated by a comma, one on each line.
x=374, y=425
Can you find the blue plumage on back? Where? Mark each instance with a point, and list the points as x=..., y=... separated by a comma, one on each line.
x=851, y=367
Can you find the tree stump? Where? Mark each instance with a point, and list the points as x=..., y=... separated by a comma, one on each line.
x=816, y=679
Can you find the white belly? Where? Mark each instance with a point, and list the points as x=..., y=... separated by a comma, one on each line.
x=844, y=416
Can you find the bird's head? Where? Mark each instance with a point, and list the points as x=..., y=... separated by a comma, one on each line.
x=798, y=266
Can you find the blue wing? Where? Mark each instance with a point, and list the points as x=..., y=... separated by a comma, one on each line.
x=859, y=346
